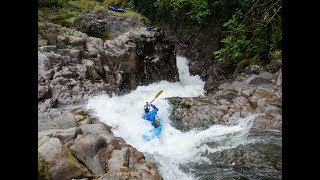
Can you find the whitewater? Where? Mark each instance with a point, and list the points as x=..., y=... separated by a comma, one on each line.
x=174, y=147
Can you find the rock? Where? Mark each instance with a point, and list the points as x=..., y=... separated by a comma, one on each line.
x=101, y=23
x=253, y=69
x=274, y=66
x=75, y=53
x=256, y=160
x=44, y=92
x=80, y=66
x=266, y=75
x=48, y=48
x=61, y=163
x=266, y=123
x=94, y=46
x=46, y=105
x=237, y=98
x=279, y=79
x=139, y=155
x=64, y=135
x=141, y=58
x=98, y=128
x=43, y=172
x=259, y=81
x=195, y=112
x=118, y=159
x=263, y=92
x=88, y=149
x=44, y=66
x=59, y=119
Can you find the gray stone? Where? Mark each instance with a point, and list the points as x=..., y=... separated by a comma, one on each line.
x=88, y=149
x=61, y=163
x=118, y=159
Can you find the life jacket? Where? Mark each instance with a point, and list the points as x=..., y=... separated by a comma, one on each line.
x=151, y=115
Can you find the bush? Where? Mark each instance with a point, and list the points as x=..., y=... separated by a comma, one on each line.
x=52, y=3
x=252, y=36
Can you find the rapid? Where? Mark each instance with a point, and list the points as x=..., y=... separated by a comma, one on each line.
x=174, y=150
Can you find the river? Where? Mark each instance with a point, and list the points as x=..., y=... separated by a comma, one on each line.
x=176, y=153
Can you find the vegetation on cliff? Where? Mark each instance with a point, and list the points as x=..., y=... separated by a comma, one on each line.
x=251, y=30
x=64, y=12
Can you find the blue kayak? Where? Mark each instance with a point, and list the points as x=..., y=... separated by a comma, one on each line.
x=153, y=133
x=115, y=8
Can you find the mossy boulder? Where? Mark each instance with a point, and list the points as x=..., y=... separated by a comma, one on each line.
x=60, y=161
x=43, y=171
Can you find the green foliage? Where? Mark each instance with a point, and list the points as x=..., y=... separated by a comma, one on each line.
x=190, y=11
x=131, y=5
x=65, y=13
x=251, y=37
x=119, y=3
x=52, y=3
x=251, y=29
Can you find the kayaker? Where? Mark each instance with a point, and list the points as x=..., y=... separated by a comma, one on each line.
x=151, y=115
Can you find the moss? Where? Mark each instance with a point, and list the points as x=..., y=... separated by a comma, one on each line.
x=124, y=163
x=120, y=3
x=125, y=176
x=74, y=161
x=41, y=24
x=105, y=36
x=66, y=14
x=83, y=114
x=43, y=170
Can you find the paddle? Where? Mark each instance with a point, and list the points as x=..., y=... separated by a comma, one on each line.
x=158, y=94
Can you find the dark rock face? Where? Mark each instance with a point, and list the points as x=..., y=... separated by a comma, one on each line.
x=102, y=23
x=198, y=45
x=73, y=66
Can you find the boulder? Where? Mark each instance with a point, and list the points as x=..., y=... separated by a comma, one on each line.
x=101, y=23
x=60, y=161
x=89, y=149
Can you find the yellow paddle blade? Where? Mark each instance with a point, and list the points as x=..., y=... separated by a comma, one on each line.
x=159, y=93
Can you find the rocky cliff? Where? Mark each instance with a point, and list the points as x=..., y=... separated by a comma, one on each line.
x=73, y=66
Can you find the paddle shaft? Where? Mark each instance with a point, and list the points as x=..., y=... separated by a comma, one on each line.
x=156, y=97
